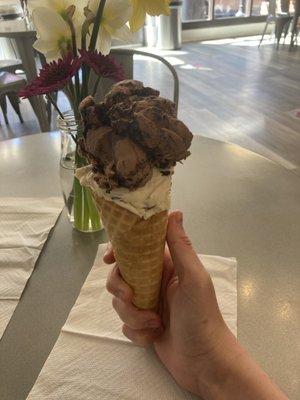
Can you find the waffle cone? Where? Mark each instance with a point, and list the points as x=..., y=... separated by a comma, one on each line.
x=138, y=247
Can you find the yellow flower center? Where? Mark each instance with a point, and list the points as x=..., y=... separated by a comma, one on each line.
x=64, y=44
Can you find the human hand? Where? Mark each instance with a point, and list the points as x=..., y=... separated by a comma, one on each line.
x=189, y=334
x=189, y=327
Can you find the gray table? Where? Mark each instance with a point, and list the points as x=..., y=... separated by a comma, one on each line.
x=235, y=203
x=24, y=38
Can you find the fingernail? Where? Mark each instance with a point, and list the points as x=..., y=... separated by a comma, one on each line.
x=153, y=323
x=179, y=218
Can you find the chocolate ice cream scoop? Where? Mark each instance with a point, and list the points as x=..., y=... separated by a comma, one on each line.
x=164, y=105
x=131, y=164
x=93, y=115
x=123, y=115
x=166, y=138
x=128, y=89
x=130, y=133
x=120, y=160
x=99, y=145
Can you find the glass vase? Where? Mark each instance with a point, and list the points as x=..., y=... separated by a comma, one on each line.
x=78, y=199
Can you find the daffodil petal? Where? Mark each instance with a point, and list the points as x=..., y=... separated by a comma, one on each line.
x=52, y=31
x=49, y=24
x=117, y=12
x=44, y=45
x=56, y=4
x=138, y=16
x=59, y=6
x=104, y=41
x=123, y=34
x=93, y=5
x=157, y=7
x=51, y=53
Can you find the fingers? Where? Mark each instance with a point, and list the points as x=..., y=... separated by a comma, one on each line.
x=185, y=259
x=117, y=286
x=134, y=318
x=167, y=274
x=122, y=303
x=109, y=257
x=142, y=337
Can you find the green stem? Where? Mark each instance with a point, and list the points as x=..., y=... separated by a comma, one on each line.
x=84, y=81
x=77, y=189
x=96, y=26
x=71, y=91
x=96, y=85
x=74, y=49
x=77, y=85
x=95, y=32
x=85, y=211
x=94, y=215
x=50, y=98
x=84, y=70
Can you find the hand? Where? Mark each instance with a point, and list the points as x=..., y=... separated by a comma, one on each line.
x=189, y=334
x=190, y=326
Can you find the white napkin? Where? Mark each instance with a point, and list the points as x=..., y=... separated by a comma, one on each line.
x=92, y=360
x=24, y=227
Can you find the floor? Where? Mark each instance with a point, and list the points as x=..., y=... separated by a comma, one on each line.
x=230, y=90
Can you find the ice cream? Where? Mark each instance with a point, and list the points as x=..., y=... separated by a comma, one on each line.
x=145, y=201
x=132, y=132
x=133, y=141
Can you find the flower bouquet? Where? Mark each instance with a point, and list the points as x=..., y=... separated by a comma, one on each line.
x=75, y=38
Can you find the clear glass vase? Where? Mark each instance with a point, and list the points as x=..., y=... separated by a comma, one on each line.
x=79, y=202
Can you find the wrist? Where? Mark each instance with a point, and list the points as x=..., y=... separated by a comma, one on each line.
x=232, y=374
x=216, y=373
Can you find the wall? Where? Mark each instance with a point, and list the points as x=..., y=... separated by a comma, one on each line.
x=221, y=32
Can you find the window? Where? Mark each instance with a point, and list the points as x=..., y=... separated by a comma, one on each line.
x=195, y=10
x=260, y=7
x=230, y=8
x=208, y=10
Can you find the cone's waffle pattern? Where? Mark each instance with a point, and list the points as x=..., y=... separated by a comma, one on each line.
x=139, y=249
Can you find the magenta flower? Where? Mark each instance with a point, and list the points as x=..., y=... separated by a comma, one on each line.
x=53, y=76
x=105, y=66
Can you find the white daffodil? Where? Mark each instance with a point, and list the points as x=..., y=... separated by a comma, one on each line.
x=60, y=6
x=53, y=33
x=143, y=7
x=113, y=23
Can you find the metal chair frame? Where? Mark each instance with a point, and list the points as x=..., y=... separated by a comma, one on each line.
x=132, y=52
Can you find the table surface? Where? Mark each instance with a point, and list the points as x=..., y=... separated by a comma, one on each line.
x=235, y=203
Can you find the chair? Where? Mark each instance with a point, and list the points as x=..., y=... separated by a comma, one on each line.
x=10, y=85
x=10, y=65
x=282, y=23
x=132, y=52
x=295, y=24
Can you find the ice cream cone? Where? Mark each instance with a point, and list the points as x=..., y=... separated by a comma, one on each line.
x=133, y=141
x=138, y=247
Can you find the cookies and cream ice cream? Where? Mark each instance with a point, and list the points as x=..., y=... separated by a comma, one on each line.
x=132, y=139
x=145, y=201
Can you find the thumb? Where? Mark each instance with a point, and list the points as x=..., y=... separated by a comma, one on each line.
x=109, y=257
x=184, y=257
